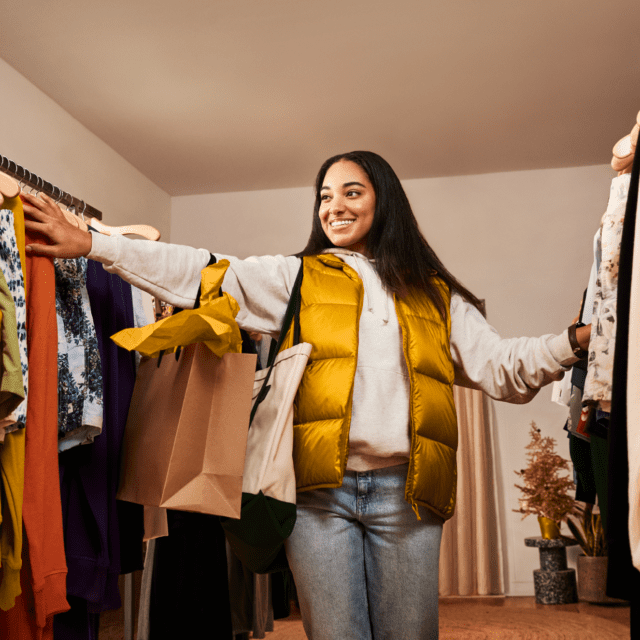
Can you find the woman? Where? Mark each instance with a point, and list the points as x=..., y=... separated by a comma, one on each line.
x=376, y=430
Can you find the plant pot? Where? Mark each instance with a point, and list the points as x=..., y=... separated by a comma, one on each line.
x=592, y=580
x=548, y=528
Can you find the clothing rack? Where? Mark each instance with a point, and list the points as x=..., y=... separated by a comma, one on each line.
x=26, y=177
x=61, y=197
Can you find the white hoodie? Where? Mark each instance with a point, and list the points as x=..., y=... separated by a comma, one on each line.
x=512, y=369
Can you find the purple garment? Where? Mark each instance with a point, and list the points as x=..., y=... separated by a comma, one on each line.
x=77, y=623
x=103, y=536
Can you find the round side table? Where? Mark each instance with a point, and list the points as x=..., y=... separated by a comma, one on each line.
x=554, y=583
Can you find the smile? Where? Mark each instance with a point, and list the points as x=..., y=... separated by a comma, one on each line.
x=341, y=223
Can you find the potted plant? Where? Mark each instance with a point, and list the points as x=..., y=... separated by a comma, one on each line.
x=545, y=487
x=585, y=524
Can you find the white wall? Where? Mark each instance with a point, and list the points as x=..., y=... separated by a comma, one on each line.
x=246, y=223
x=521, y=240
x=39, y=135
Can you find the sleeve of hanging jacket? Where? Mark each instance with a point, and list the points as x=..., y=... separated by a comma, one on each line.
x=508, y=369
x=261, y=285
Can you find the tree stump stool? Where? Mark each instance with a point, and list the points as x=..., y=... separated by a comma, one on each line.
x=553, y=582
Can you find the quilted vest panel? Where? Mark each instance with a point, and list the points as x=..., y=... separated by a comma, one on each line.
x=331, y=304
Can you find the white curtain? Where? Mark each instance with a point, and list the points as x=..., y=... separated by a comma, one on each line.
x=471, y=554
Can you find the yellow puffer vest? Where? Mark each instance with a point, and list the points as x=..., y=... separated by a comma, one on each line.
x=331, y=303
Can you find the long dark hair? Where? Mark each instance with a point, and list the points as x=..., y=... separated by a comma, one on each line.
x=403, y=258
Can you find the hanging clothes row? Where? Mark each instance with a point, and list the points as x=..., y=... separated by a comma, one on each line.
x=606, y=458
x=623, y=578
x=65, y=390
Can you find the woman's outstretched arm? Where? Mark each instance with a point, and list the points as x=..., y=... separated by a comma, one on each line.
x=261, y=285
x=508, y=369
x=169, y=271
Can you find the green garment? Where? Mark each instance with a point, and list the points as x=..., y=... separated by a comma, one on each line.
x=11, y=383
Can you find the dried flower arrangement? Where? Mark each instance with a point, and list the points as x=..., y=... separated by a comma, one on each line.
x=545, y=489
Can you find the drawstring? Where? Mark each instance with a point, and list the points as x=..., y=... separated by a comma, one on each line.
x=370, y=281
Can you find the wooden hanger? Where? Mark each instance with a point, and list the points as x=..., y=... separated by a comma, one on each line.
x=9, y=188
x=624, y=150
x=144, y=230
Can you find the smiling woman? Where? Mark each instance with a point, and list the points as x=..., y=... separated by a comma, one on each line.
x=375, y=430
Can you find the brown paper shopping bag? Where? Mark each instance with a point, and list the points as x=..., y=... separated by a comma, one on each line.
x=186, y=434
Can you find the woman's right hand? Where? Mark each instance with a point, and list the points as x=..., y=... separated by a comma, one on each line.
x=63, y=239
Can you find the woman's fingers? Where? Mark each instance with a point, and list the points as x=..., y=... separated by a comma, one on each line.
x=72, y=244
x=33, y=211
x=37, y=208
x=64, y=240
x=43, y=250
x=35, y=226
x=41, y=207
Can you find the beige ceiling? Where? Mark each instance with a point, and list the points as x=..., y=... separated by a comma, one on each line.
x=230, y=95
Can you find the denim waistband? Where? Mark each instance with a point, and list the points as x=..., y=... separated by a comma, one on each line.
x=396, y=470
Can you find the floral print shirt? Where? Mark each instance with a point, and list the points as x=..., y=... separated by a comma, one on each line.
x=597, y=389
x=80, y=410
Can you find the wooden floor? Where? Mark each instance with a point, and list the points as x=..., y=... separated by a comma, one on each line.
x=512, y=618
x=494, y=618
x=617, y=613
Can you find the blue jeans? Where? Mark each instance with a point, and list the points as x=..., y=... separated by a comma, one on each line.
x=364, y=566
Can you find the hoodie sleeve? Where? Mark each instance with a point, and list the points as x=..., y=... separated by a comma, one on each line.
x=508, y=369
x=170, y=272
x=261, y=285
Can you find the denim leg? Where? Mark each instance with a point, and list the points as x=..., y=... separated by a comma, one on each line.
x=401, y=557
x=365, y=567
x=326, y=556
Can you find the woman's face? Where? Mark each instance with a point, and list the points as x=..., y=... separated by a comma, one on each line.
x=347, y=205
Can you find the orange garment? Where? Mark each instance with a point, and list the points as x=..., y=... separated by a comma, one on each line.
x=44, y=594
x=20, y=622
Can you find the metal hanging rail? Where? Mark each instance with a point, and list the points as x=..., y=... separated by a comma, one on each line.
x=25, y=177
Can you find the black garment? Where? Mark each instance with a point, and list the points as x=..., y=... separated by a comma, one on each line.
x=591, y=463
x=77, y=623
x=250, y=595
x=283, y=591
x=580, y=451
x=600, y=465
x=623, y=580
x=190, y=587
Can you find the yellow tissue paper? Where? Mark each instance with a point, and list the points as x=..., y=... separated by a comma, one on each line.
x=212, y=323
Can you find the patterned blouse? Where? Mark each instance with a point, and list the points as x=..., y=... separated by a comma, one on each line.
x=597, y=388
x=79, y=369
